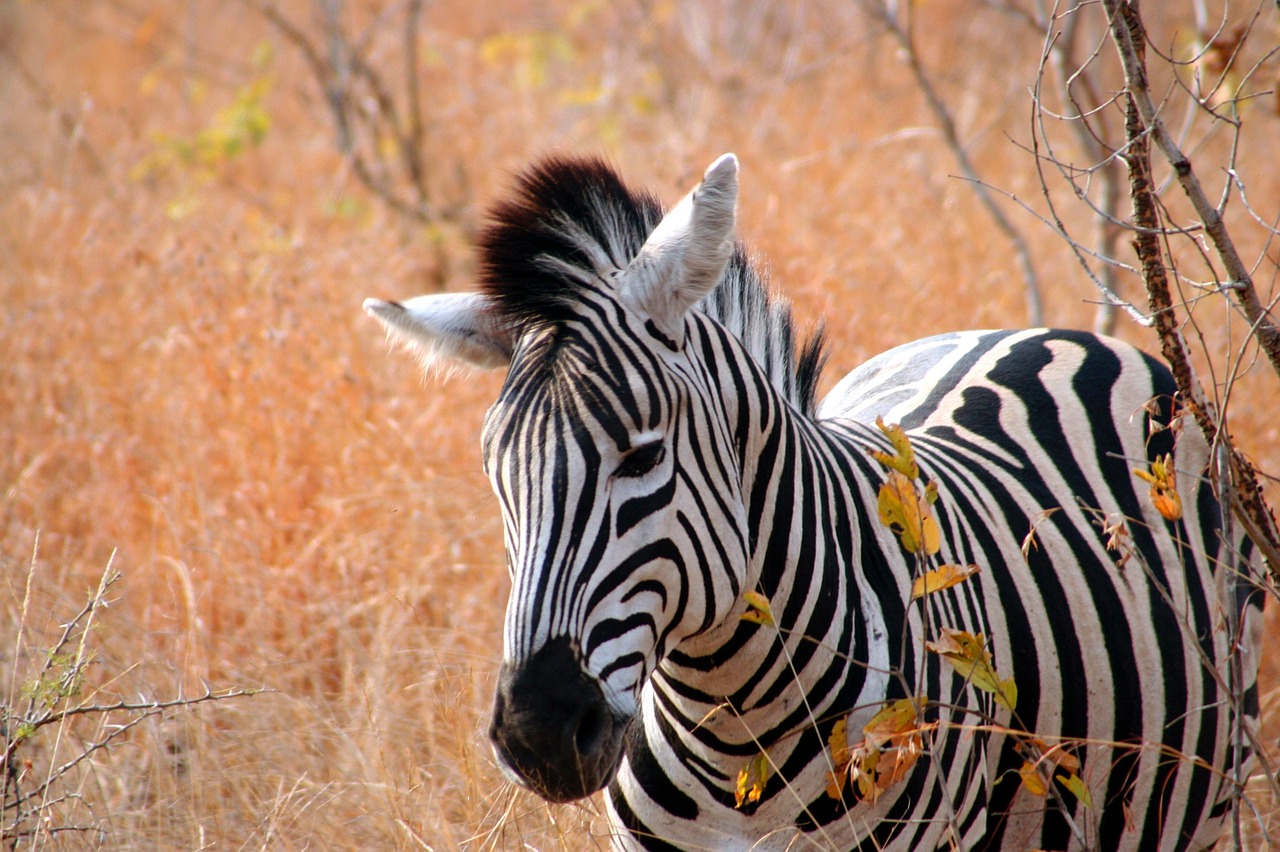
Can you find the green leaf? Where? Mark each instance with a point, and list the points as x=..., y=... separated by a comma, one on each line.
x=1077, y=788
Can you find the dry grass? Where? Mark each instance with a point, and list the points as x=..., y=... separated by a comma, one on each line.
x=186, y=377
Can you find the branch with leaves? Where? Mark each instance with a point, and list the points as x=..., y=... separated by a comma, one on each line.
x=1143, y=125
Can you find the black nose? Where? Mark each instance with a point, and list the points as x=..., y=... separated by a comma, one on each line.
x=551, y=725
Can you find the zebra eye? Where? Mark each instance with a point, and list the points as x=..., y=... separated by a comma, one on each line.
x=641, y=460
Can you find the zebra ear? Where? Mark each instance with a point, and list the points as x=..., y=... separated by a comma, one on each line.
x=445, y=327
x=684, y=257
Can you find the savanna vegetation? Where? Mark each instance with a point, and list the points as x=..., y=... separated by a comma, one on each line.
x=195, y=195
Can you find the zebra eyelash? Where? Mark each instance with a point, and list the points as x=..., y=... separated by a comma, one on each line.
x=641, y=460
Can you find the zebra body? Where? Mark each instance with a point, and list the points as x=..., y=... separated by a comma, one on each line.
x=657, y=454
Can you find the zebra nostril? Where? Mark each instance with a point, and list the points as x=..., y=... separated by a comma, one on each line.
x=589, y=735
x=553, y=731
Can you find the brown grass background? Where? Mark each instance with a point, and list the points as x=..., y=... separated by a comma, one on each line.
x=189, y=390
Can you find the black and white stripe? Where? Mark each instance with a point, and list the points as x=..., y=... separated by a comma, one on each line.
x=657, y=452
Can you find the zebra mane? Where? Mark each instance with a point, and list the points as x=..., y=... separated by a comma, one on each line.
x=572, y=223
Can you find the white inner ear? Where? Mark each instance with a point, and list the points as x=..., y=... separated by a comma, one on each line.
x=685, y=256
x=445, y=328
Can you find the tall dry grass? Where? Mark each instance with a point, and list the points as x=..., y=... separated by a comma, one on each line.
x=187, y=382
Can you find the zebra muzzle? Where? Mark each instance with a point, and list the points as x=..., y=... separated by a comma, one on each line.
x=552, y=730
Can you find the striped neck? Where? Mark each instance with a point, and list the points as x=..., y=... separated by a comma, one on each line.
x=805, y=488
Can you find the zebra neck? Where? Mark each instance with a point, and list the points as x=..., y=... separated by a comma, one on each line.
x=827, y=652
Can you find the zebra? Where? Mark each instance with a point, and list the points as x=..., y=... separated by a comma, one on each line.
x=701, y=581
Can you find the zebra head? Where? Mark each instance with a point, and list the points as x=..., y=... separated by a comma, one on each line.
x=619, y=487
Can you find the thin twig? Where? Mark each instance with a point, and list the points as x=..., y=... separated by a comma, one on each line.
x=946, y=124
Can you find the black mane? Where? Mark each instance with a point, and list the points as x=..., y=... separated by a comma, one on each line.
x=572, y=222
x=566, y=214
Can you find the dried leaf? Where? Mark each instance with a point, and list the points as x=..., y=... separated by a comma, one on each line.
x=1030, y=541
x=758, y=609
x=903, y=459
x=1163, y=479
x=862, y=772
x=1058, y=755
x=836, y=781
x=902, y=510
x=968, y=655
x=943, y=577
x=751, y=780
x=893, y=745
x=896, y=762
x=1119, y=539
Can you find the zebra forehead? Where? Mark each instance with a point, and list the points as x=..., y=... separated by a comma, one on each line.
x=570, y=224
x=582, y=394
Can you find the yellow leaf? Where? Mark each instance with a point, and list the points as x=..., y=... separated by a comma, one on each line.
x=893, y=719
x=839, y=742
x=942, y=578
x=1163, y=480
x=751, y=780
x=903, y=458
x=1007, y=693
x=758, y=609
x=1032, y=780
x=968, y=655
x=841, y=757
x=1078, y=789
x=902, y=510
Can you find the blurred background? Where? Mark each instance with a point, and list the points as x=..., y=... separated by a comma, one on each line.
x=196, y=195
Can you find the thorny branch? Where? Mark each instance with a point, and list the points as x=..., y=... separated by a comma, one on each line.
x=1142, y=125
x=1130, y=39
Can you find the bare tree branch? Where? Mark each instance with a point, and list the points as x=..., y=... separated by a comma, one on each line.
x=342, y=72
